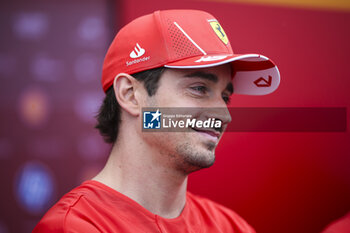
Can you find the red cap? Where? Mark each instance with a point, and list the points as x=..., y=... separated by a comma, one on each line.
x=185, y=39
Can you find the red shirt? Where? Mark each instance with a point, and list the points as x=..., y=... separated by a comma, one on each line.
x=95, y=207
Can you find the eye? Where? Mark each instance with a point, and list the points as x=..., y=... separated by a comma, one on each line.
x=227, y=99
x=200, y=89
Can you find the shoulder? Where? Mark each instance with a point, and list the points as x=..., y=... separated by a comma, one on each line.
x=65, y=215
x=222, y=215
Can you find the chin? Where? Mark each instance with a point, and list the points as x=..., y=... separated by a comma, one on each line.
x=193, y=159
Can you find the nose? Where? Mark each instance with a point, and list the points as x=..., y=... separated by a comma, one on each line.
x=218, y=110
x=219, y=113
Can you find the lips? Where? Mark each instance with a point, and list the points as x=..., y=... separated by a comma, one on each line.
x=210, y=132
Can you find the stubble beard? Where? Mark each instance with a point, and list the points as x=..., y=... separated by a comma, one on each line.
x=192, y=159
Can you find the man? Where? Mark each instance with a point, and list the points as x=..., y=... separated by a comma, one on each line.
x=175, y=58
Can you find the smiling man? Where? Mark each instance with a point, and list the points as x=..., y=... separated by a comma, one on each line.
x=168, y=59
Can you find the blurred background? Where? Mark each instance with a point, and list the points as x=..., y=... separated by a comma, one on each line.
x=51, y=54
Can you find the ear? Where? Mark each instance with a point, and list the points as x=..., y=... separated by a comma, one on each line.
x=125, y=87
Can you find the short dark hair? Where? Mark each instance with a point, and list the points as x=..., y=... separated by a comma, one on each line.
x=109, y=114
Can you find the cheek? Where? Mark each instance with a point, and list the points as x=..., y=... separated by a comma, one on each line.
x=168, y=97
x=164, y=143
x=180, y=99
x=151, y=101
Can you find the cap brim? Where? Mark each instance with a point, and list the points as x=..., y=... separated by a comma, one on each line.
x=253, y=74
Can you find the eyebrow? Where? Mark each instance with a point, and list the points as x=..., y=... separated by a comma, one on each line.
x=203, y=75
x=210, y=77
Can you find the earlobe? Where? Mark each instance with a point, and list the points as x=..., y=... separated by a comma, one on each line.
x=124, y=88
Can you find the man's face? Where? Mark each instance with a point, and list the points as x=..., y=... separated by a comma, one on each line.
x=201, y=89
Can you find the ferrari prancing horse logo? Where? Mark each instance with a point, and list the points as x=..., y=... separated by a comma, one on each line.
x=219, y=31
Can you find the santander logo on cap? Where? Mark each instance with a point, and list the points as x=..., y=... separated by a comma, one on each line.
x=137, y=52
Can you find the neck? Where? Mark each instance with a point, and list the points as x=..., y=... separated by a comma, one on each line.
x=133, y=170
